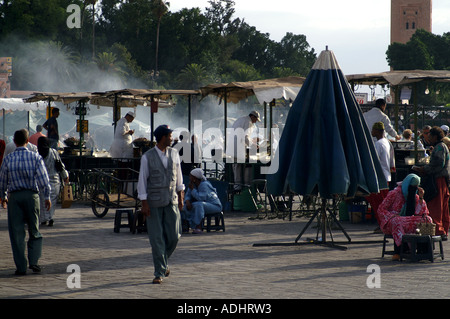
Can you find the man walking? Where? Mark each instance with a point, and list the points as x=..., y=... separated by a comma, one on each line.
x=22, y=175
x=160, y=188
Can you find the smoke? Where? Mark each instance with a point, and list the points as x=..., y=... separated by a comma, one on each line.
x=52, y=67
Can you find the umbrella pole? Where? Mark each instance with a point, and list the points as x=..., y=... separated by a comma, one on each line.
x=324, y=225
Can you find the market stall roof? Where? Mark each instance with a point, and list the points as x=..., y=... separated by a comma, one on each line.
x=17, y=104
x=264, y=90
x=134, y=97
x=125, y=97
x=399, y=77
x=162, y=94
x=64, y=97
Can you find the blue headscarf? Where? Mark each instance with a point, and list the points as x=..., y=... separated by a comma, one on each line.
x=410, y=180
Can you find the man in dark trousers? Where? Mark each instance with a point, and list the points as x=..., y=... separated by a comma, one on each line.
x=51, y=125
x=161, y=190
x=22, y=176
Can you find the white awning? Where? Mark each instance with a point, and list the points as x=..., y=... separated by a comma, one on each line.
x=17, y=104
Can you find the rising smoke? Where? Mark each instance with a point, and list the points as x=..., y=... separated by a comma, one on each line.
x=43, y=66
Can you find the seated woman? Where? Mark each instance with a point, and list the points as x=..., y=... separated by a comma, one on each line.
x=200, y=199
x=402, y=209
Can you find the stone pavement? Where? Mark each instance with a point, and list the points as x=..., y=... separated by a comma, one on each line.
x=216, y=265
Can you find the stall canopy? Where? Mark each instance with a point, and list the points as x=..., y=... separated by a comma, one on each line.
x=394, y=78
x=117, y=99
x=326, y=148
x=397, y=79
x=264, y=90
x=17, y=104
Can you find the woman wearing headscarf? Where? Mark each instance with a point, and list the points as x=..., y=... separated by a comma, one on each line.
x=55, y=174
x=402, y=209
x=200, y=199
x=439, y=171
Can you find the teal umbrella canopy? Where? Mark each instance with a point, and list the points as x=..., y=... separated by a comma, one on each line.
x=326, y=148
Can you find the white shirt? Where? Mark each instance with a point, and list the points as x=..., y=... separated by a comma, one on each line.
x=377, y=115
x=11, y=147
x=121, y=146
x=383, y=148
x=245, y=123
x=143, y=173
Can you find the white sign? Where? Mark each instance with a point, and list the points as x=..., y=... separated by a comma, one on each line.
x=361, y=98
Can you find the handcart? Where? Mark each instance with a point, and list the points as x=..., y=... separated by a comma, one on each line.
x=114, y=188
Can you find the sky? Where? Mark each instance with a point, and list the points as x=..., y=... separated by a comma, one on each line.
x=357, y=31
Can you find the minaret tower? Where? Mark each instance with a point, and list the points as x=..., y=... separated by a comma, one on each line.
x=407, y=16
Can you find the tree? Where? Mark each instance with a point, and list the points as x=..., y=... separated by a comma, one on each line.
x=159, y=10
x=256, y=48
x=107, y=62
x=193, y=76
x=294, y=53
x=33, y=19
x=220, y=13
x=424, y=51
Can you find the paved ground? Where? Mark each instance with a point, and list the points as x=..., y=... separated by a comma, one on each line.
x=216, y=265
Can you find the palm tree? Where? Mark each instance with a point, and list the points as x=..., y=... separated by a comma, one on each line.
x=159, y=10
x=107, y=62
x=193, y=76
x=55, y=63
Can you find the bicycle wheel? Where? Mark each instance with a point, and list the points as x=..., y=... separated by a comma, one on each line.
x=100, y=203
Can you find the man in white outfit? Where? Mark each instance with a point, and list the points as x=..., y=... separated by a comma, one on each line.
x=385, y=154
x=377, y=114
x=122, y=146
x=237, y=144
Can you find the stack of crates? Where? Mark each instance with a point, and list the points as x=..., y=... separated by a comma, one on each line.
x=356, y=211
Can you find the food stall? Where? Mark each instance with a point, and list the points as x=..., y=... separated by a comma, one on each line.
x=266, y=92
x=396, y=81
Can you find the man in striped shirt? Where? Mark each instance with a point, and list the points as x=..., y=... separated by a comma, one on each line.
x=22, y=176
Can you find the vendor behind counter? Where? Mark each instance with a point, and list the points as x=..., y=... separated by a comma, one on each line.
x=405, y=155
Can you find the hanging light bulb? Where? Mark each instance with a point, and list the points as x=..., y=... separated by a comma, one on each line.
x=427, y=91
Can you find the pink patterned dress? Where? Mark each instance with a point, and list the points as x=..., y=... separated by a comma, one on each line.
x=394, y=224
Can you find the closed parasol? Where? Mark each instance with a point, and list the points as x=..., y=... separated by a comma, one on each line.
x=326, y=148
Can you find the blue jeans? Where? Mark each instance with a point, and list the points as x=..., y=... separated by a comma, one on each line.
x=198, y=212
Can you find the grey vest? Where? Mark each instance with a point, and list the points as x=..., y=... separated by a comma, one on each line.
x=161, y=182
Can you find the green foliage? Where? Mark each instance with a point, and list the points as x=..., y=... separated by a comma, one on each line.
x=424, y=51
x=131, y=39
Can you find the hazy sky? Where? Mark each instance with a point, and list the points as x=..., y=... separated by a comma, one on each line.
x=357, y=31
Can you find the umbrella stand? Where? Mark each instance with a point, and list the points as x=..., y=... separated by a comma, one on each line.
x=322, y=213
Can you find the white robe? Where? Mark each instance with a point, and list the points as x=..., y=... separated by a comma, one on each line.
x=122, y=146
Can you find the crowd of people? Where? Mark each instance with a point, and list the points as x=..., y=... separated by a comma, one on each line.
x=423, y=196
x=176, y=197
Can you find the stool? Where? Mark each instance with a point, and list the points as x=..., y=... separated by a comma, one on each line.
x=428, y=242
x=219, y=222
x=118, y=219
x=384, y=252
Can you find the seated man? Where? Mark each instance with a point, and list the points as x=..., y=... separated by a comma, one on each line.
x=401, y=211
x=200, y=199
